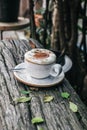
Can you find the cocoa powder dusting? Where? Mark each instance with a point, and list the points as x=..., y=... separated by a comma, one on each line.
x=41, y=55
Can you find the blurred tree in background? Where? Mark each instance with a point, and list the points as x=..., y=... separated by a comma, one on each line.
x=54, y=23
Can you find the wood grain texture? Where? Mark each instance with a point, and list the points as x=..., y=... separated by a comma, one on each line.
x=56, y=114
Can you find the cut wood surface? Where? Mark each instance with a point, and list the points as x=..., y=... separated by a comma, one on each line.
x=57, y=114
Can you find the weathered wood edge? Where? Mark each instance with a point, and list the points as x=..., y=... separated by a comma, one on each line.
x=56, y=113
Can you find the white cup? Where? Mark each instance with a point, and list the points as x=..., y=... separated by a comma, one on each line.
x=41, y=63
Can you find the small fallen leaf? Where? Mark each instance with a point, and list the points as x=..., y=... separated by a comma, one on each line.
x=22, y=99
x=37, y=120
x=65, y=94
x=25, y=92
x=73, y=107
x=48, y=98
x=41, y=128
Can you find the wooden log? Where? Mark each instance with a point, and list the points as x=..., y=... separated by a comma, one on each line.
x=57, y=114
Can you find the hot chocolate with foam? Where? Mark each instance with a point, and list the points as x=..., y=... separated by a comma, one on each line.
x=40, y=56
x=41, y=63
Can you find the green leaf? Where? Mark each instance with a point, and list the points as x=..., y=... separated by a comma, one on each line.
x=22, y=99
x=48, y=98
x=41, y=128
x=40, y=11
x=73, y=107
x=65, y=94
x=25, y=92
x=37, y=120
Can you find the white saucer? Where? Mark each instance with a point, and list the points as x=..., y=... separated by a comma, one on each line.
x=68, y=64
x=23, y=76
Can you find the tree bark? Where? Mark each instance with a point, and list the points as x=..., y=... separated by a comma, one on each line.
x=32, y=20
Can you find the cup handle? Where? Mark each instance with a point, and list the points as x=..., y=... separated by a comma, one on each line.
x=55, y=70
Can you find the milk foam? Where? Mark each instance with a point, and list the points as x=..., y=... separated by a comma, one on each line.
x=30, y=56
